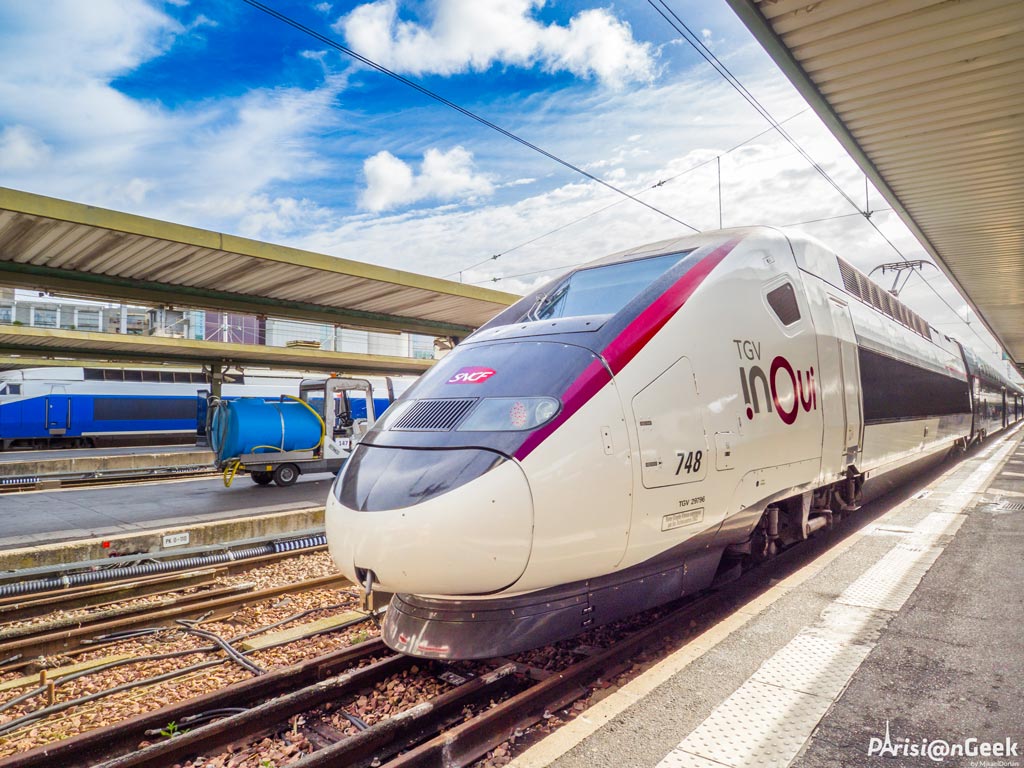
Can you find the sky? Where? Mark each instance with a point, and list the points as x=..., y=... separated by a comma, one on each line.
x=214, y=114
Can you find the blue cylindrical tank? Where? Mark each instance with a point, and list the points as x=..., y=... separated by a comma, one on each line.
x=253, y=425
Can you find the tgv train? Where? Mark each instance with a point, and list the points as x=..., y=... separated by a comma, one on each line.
x=85, y=406
x=639, y=427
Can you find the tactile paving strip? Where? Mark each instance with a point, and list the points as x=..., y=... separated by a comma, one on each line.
x=766, y=721
x=888, y=583
x=852, y=622
x=940, y=523
x=758, y=726
x=813, y=662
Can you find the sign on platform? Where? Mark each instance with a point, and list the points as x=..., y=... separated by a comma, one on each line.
x=176, y=539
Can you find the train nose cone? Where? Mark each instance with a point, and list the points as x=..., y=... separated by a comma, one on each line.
x=442, y=522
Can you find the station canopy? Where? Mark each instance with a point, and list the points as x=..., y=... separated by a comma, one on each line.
x=927, y=96
x=80, y=250
x=75, y=347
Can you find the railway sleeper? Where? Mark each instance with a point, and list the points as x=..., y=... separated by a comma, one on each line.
x=91, y=747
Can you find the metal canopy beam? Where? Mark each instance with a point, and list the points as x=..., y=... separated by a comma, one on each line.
x=78, y=346
x=61, y=246
x=925, y=95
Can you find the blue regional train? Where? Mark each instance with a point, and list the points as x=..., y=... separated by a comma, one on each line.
x=85, y=407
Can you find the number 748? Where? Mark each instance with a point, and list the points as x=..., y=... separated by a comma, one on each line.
x=689, y=461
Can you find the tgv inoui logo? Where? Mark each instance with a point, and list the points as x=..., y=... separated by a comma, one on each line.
x=780, y=383
x=472, y=375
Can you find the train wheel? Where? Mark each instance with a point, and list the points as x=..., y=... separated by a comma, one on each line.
x=286, y=474
x=262, y=478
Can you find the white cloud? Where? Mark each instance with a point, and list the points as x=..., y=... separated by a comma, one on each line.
x=266, y=217
x=473, y=35
x=323, y=7
x=77, y=40
x=21, y=149
x=137, y=189
x=210, y=163
x=258, y=163
x=391, y=182
x=201, y=21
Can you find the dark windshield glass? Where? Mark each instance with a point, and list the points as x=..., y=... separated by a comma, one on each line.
x=602, y=290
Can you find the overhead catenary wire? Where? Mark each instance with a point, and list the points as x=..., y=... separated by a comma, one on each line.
x=498, y=279
x=452, y=105
x=655, y=185
x=708, y=55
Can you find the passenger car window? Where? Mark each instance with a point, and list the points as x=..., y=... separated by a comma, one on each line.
x=783, y=302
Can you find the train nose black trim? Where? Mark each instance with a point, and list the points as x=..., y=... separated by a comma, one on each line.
x=379, y=478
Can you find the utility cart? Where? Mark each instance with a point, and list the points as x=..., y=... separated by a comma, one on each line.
x=276, y=441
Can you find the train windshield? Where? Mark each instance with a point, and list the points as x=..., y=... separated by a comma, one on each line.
x=602, y=290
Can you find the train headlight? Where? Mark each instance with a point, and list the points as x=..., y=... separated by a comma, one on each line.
x=507, y=414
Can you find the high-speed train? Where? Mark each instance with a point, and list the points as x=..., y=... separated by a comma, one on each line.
x=72, y=406
x=640, y=426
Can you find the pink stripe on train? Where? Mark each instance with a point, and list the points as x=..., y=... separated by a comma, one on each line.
x=627, y=344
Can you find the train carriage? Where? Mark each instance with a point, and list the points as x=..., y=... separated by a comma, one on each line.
x=72, y=406
x=646, y=424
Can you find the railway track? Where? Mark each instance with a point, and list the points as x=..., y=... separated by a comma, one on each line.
x=65, y=649
x=46, y=639
x=367, y=706
x=20, y=483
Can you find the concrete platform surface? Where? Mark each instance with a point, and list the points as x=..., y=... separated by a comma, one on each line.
x=901, y=645
x=52, y=467
x=69, y=453
x=43, y=517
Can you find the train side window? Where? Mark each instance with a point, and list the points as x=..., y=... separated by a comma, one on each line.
x=783, y=302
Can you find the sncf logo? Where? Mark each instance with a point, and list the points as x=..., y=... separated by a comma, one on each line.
x=471, y=375
x=788, y=389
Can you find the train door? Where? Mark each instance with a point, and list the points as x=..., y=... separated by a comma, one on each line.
x=849, y=372
x=58, y=411
x=673, y=447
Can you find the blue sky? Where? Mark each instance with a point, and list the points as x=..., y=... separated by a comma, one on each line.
x=211, y=113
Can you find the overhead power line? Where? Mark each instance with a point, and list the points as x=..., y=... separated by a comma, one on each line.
x=709, y=56
x=565, y=267
x=452, y=105
x=655, y=185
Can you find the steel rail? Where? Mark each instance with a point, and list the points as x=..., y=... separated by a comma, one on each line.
x=66, y=639
x=15, y=484
x=462, y=743
x=91, y=747
x=21, y=607
x=262, y=718
x=114, y=612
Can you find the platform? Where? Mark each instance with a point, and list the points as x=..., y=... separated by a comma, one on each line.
x=41, y=518
x=18, y=456
x=900, y=645
x=33, y=467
